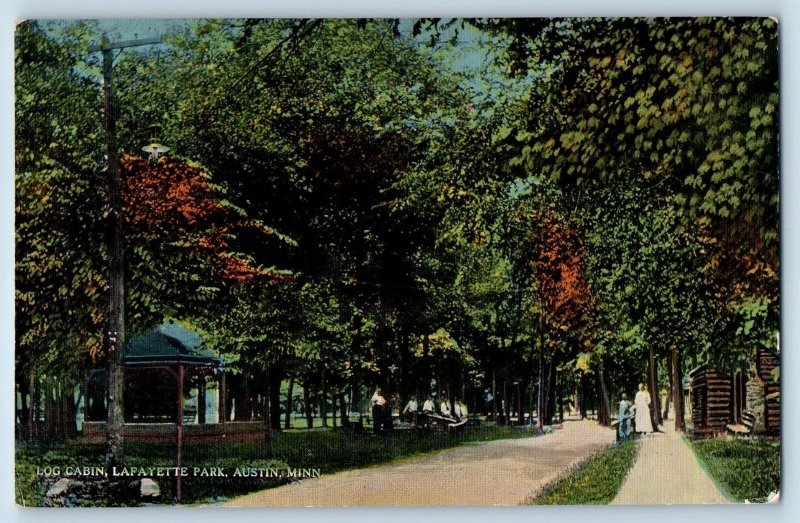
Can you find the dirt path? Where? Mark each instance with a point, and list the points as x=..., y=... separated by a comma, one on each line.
x=667, y=472
x=505, y=472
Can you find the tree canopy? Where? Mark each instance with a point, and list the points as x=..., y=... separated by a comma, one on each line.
x=347, y=205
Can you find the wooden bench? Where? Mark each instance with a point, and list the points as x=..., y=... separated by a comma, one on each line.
x=449, y=425
x=745, y=428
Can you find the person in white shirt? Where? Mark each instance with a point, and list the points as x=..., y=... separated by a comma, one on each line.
x=410, y=410
x=445, y=408
x=379, y=403
x=427, y=409
x=377, y=397
x=457, y=409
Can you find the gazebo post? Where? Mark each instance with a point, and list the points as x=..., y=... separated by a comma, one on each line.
x=223, y=400
x=201, y=400
x=180, y=433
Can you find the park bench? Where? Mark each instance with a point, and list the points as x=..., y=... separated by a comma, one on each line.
x=449, y=425
x=745, y=428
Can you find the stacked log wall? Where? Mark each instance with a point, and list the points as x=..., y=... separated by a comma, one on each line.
x=712, y=405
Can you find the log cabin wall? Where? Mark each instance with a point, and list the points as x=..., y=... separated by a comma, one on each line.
x=712, y=401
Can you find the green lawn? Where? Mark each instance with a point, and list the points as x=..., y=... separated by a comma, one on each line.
x=595, y=482
x=326, y=450
x=746, y=468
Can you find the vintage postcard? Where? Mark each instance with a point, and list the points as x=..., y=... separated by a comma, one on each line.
x=377, y=262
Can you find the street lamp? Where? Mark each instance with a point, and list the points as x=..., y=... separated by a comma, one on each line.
x=154, y=148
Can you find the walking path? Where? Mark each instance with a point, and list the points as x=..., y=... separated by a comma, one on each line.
x=667, y=472
x=504, y=472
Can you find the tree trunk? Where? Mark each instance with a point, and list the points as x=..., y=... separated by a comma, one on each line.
x=677, y=391
x=539, y=393
x=520, y=403
x=652, y=379
x=287, y=423
x=541, y=398
x=49, y=414
x=68, y=409
x=274, y=397
x=307, y=403
x=668, y=366
x=343, y=413
x=243, y=397
x=604, y=411
x=323, y=401
x=506, y=406
x=404, y=391
x=333, y=406
x=550, y=391
x=24, y=412
x=33, y=421
x=237, y=393
x=494, y=395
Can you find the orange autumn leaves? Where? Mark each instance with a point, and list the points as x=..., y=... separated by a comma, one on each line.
x=171, y=202
x=559, y=265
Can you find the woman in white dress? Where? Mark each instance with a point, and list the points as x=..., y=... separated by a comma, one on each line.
x=642, y=405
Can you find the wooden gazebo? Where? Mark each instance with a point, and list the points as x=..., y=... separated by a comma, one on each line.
x=179, y=352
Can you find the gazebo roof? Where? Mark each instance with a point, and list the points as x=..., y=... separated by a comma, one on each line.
x=168, y=345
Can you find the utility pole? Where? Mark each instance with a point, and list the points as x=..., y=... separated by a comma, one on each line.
x=115, y=336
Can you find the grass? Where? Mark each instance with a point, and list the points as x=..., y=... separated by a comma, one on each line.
x=594, y=482
x=327, y=450
x=746, y=468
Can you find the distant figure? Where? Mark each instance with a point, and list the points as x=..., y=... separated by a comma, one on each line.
x=642, y=405
x=379, y=405
x=624, y=418
x=487, y=402
x=410, y=410
x=428, y=409
x=460, y=410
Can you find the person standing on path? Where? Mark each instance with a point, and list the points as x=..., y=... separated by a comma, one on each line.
x=624, y=418
x=379, y=406
x=642, y=405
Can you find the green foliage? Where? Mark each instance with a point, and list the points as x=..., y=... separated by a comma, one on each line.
x=747, y=469
x=597, y=188
x=595, y=482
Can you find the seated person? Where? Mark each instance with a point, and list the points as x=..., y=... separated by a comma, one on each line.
x=445, y=408
x=427, y=409
x=410, y=410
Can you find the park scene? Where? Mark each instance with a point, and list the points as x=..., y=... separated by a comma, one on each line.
x=397, y=262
